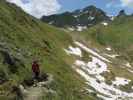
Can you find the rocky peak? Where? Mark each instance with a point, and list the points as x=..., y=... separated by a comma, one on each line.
x=122, y=13
x=85, y=17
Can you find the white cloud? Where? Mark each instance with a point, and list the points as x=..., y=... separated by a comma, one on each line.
x=38, y=8
x=127, y=3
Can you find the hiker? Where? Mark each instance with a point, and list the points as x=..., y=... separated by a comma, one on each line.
x=35, y=69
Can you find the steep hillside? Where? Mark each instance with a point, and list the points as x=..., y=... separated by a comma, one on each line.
x=117, y=34
x=95, y=64
x=85, y=17
x=107, y=75
x=105, y=58
x=23, y=39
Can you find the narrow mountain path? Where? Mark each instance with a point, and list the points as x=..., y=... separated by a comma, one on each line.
x=37, y=90
x=34, y=93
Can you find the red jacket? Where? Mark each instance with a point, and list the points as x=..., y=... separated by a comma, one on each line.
x=35, y=67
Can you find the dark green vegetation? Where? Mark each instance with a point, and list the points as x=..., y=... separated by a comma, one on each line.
x=88, y=16
x=23, y=39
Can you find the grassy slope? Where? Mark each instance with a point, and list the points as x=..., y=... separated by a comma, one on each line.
x=26, y=38
x=118, y=34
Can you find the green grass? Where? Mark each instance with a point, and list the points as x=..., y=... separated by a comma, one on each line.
x=118, y=34
x=26, y=38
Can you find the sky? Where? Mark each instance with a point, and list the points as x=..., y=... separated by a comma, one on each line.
x=38, y=8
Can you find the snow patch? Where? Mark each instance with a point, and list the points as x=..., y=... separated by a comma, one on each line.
x=71, y=29
x=103, y=97
x=75, y=16
x=96, y=66
x=109, y=91
x=108, y=48
x=112, y=18
x=74, y=51
x=128, y=65
x=91, y=51
x=91, y=18
x=80, y=28
x=89, y=90
x=120, y=81
x=131, y=71
x=80, y=63
x=92, y=71
x=112, y=56
x=105, y=23
x=86, y=12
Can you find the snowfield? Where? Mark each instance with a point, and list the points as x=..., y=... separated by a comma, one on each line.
x=91, y=71
x=96, y=66
x=109, y=91
x=91, y=51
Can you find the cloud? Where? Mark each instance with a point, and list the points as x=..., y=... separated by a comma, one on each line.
x=127, y=3
x=38, y=8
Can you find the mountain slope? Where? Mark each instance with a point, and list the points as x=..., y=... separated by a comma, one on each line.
x=117, y=34
x=88, y=16
x=23, y=39
x=106, y=74
x=102, y=55
x=105, y=58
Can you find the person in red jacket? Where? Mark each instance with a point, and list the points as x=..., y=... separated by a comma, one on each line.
x=35, y=69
